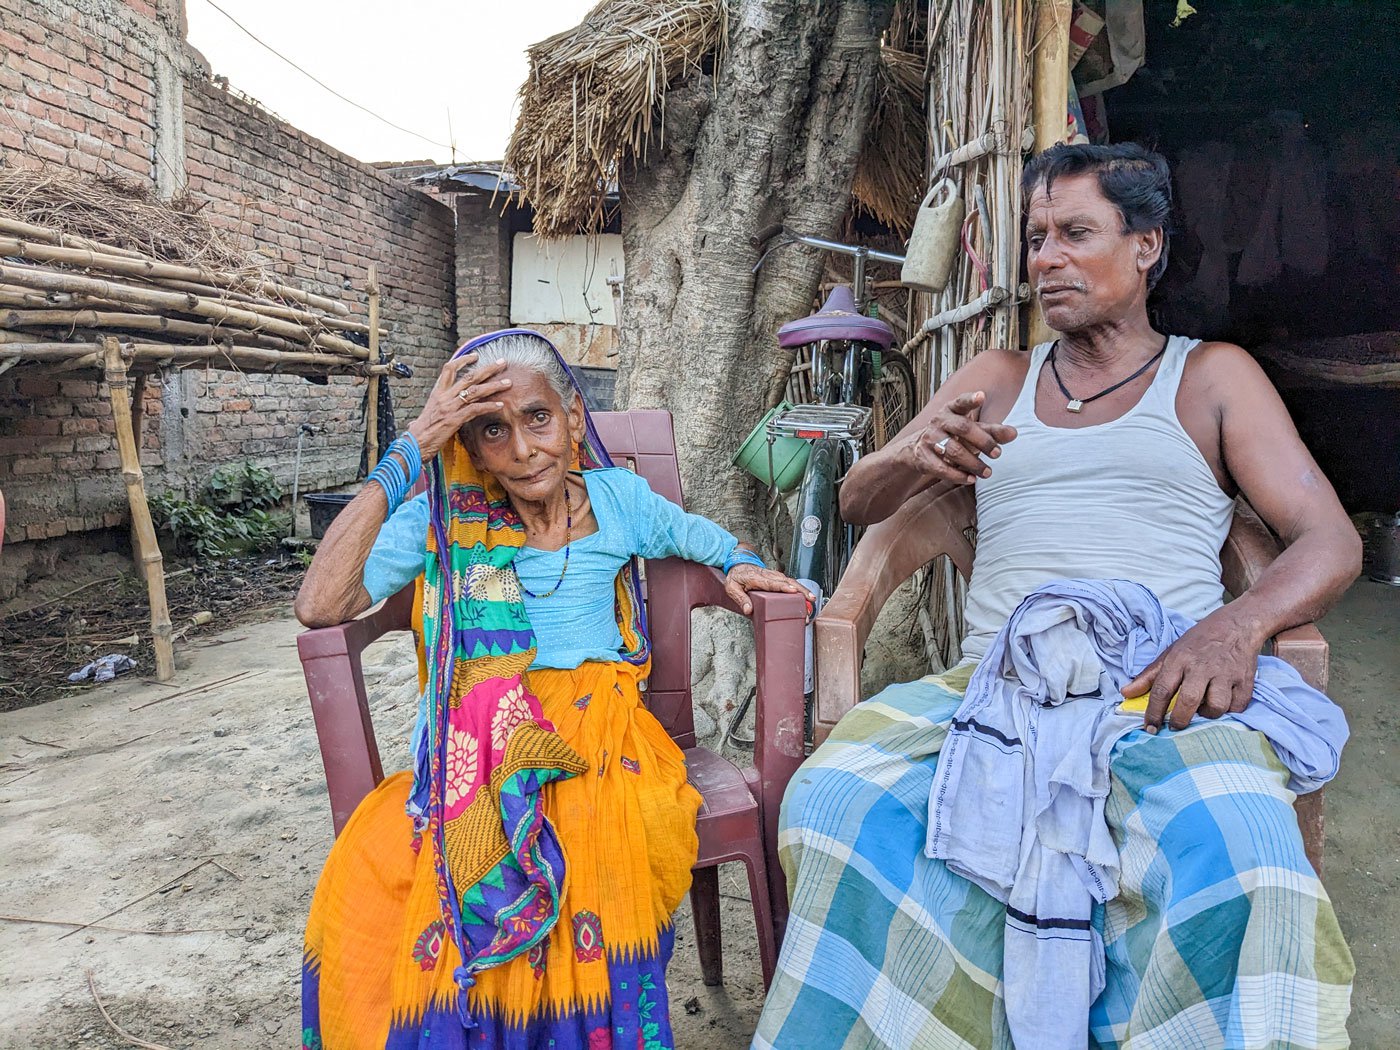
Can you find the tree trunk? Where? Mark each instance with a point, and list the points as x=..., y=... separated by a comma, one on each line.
x=773, y=138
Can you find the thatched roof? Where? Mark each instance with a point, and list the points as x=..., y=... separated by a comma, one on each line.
x=890, y=176
x=596, y=96
x=594, y=99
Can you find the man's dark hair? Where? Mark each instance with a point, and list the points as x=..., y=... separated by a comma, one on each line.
x=1135, y=180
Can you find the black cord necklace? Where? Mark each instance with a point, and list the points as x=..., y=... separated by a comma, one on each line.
x=568, y=542
x=1076, y=404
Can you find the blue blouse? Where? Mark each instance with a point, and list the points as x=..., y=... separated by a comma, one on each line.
x=578, y=621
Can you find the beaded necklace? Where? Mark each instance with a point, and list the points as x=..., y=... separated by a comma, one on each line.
x=568, y=542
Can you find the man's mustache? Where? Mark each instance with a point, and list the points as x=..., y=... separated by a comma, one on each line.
x=1058, y=286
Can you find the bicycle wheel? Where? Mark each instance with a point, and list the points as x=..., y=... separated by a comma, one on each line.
x=894, y=397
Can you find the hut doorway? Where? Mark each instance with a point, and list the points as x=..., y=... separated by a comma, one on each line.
x=1280, y=124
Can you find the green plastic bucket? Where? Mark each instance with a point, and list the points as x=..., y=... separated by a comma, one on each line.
x=789, y=455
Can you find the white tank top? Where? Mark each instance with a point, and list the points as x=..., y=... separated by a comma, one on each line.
x=1131, y=499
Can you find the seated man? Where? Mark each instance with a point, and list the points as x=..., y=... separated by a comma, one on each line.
x=1114, y=452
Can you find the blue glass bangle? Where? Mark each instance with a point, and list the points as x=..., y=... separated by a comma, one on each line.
x=406, y=445
x=739, y=556
x=390, y=476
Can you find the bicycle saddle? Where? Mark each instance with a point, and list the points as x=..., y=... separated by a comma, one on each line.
x=837, y=319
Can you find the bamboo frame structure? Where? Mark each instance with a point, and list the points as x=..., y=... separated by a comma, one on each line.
x=179, y=302
x=70, y=303
x=981, y=55
x=143, y=531
x=1050, y=100
x=153, y=356
x=29, y=231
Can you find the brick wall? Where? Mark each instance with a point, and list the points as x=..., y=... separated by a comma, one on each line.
x=110, y=86
x=483, y=264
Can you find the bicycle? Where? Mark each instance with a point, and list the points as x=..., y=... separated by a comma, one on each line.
x=859, y=389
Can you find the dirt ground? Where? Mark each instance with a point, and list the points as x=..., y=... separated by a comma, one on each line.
x=191, y=830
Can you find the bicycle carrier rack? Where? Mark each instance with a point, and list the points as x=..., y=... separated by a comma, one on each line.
x=844, y=422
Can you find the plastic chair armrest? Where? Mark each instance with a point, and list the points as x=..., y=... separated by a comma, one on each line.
x=779, y=629
x=779, y=623
x=1248, y=550
x=927, y=526
x=1305, y=650
x=335, y=683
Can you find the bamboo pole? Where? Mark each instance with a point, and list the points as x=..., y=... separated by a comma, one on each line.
x=143, y=532
x=138, y=409
x=991, y=298
x=1049, y=103
x=48, y=280
x=278, y=310
x=73, y=257
x=21, y=297
x=372, y=393
x=239, y=358
x=12, y=322
x=16, y=228
x=17, y=297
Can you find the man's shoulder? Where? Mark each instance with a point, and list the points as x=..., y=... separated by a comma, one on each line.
x=1229, y=370
x=997, y=366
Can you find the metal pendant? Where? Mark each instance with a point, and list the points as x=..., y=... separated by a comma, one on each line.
x=1075, y=405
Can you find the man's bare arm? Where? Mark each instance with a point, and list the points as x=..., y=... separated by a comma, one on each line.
x=879, y=484
x=1279, y=477
x=1210, y=670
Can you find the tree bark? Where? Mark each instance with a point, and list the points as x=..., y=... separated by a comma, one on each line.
x=774, y=137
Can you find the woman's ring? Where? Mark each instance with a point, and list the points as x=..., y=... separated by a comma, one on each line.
x=942, y=446
x=462, y=396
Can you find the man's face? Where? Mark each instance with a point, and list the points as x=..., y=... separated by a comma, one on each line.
x=1083, y=268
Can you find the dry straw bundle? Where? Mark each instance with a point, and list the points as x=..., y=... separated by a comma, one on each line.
x=121, y=214
x=594, y=99
x=890, y=177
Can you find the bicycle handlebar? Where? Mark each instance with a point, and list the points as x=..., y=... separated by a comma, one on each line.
x=761, y=239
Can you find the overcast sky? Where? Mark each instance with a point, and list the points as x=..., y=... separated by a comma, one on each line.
x=411, y=62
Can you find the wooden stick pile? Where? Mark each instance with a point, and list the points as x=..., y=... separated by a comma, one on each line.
x=62, y=293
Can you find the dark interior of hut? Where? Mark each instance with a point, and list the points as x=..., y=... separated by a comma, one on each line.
x=1281, y=124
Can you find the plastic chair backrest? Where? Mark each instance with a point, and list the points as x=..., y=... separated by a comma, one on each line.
x=646, y=442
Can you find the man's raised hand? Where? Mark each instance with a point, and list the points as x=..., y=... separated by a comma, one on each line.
x=950, y=447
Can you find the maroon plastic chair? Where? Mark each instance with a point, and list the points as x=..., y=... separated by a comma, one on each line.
x=738, y=818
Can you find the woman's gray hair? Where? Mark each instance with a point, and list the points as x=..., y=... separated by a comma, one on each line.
x=532, y=354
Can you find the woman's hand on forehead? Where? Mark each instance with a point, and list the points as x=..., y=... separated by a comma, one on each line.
x=465, y=390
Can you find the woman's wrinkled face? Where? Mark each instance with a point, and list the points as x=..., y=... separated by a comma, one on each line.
x=527, y=443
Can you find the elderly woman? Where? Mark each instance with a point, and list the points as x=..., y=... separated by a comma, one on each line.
x=516, y=888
